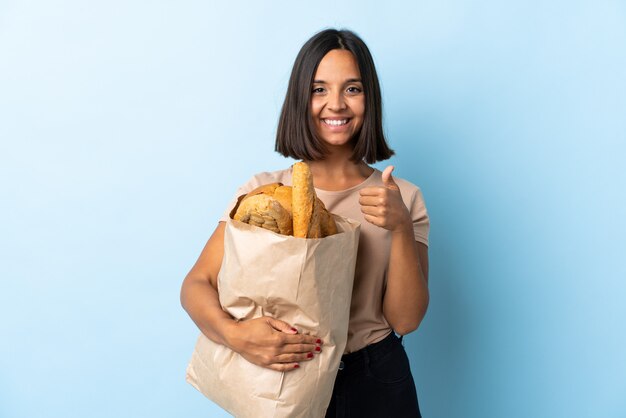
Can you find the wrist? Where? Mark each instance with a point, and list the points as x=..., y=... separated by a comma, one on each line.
x=403, y=228
x=229, y=331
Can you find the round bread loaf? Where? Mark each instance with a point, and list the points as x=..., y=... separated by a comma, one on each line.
x=269, y=207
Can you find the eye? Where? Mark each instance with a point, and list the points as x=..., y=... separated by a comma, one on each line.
x=354, y=90
x=318, y=90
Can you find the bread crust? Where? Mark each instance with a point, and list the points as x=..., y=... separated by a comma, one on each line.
x=265, y=211
x=284, y=196
x=327, y=222
x=303, y=199
x=289, y=210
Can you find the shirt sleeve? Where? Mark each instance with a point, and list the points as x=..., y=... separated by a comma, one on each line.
x=419, y=215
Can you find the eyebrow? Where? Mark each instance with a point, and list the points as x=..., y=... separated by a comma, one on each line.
x=350, y=80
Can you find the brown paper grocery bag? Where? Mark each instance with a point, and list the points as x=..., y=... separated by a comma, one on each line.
x=305, y=282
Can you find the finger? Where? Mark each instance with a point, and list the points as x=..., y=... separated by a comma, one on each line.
x=294, y=357
x=284, y=367
x=387, y=173
x=371, y=191
x=372, y=210
x=301, y=348
x=388, y=179
x=302, y=339
x=374, y=220
x=371, y=200
x=281, y=326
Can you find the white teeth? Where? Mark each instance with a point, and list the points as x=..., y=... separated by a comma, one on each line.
x=335, y=122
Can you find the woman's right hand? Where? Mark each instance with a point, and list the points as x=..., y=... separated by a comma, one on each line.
x=272, y=343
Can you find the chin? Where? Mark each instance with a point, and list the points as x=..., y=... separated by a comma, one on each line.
x=339, y=143
x=337, y=140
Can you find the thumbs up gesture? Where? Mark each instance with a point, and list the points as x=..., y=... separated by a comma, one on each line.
x=383, y=206
x=388, y=180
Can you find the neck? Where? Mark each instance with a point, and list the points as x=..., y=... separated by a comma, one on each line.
x=338, y=172
x=335, y=162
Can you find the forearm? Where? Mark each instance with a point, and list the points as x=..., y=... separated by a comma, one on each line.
x=406, y=295
x=201, y=301
x=264, y=341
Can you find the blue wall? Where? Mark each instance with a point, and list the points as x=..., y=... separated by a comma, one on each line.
x=126, y=126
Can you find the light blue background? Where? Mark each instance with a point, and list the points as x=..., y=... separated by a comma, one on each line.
x=126, y=127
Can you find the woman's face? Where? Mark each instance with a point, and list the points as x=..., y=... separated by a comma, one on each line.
x=337, y=98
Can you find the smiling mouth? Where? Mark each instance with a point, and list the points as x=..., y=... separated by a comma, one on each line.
x=336, y=122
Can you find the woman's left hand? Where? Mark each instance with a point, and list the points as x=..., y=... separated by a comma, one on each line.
x=383, y=206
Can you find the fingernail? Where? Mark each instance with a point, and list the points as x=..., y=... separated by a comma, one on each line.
x=297, y=366
x=310, y=355
x=318, y=341
x=318, y=349
x=294, y=330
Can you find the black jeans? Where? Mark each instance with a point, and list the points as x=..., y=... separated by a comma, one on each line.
x=375, y=382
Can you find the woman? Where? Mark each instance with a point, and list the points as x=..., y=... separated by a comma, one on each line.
x=332, y=118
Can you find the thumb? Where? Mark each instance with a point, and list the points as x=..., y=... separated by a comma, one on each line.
x=281, y=326
x=388, y=179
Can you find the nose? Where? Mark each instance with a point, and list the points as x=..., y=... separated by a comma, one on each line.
x=336, y=101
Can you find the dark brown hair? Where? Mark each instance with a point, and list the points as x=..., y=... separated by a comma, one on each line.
x=296, y=136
